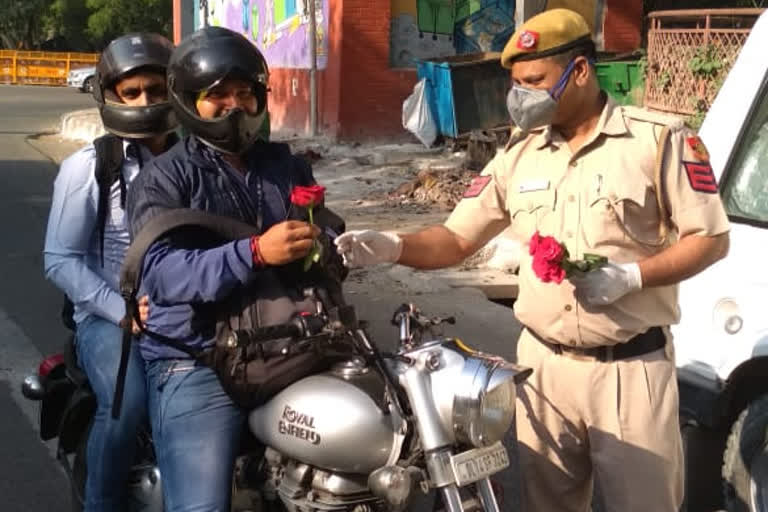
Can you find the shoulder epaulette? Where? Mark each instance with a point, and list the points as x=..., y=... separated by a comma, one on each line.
x=650, y=116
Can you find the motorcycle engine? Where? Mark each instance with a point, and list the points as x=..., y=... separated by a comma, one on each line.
x=304, y=488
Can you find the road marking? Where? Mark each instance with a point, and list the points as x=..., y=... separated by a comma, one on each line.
x=19, y=358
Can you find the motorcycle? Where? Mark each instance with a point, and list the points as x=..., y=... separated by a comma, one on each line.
x=361, y=437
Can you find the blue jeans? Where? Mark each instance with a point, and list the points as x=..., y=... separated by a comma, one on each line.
x=196, y=429
x=112, y=443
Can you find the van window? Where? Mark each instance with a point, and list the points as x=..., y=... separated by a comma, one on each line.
x=745, y=194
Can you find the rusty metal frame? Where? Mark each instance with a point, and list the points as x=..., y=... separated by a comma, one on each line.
x=670, y=84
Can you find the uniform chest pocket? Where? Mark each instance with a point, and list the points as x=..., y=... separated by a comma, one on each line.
x=530, y=212
x=620, y=213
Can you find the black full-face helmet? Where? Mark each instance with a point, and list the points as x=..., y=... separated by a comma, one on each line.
x=122, y=57
x=203, y=60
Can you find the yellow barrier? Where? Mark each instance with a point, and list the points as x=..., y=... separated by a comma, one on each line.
x=43, y=68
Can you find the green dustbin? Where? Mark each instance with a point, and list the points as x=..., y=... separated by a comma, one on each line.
x=622, y=80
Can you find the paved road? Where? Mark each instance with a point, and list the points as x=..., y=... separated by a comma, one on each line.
x=29, y=327
x=30, y=480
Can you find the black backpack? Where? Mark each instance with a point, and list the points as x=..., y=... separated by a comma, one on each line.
x=109, y=162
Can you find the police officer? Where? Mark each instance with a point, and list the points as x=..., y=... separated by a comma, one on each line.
x=87, y=237
x=217, y=83
x=602, y=401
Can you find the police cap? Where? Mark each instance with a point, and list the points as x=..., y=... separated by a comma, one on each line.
x=549, y=33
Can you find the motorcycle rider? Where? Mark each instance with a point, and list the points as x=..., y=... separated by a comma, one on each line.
x=87, y=237
x=217, y=84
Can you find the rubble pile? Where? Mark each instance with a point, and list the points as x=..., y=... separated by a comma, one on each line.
x=440, y=187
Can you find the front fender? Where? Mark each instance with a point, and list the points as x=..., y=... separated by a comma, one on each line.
x=716, y=403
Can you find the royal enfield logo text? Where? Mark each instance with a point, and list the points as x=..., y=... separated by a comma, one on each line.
x=297, y=424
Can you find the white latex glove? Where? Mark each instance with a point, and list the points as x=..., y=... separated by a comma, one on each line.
x=608, y=283
x=367, y=247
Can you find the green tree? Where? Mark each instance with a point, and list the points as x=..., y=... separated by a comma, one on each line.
x=112, y=18
x=20, y=26
x=65, y=19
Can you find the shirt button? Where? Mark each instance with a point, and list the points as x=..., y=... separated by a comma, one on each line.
x=574, y=163
x=568, y=234
x=568, y=307
x=571, y=198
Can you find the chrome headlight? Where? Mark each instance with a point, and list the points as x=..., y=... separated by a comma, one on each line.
x=484, y=404
x=727, y=316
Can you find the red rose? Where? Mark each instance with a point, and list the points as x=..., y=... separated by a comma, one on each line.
x=548, y=256
x=308, y=196
x=550, y=249
x=548, y=271
x=534, y=244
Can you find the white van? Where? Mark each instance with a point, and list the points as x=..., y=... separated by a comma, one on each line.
x=722, y=340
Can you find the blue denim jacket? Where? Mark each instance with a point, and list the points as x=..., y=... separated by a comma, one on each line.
x=181, y=282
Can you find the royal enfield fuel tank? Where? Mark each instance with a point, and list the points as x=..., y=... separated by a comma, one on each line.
x=333, y=420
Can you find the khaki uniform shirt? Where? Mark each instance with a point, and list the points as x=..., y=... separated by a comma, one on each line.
x=600, y=200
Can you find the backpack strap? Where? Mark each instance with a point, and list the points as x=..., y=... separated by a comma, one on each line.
x=664, y=222
x=109, y=163
x=225, y=228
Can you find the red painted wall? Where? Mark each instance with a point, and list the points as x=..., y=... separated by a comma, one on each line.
x=290, y=92
x=372, y=94
x=359, y=96
x=622, y=25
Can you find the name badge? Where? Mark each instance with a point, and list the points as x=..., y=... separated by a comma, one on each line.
x=534, y=185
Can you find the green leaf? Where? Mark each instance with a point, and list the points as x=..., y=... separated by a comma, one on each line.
x=307, y=262
x=595, y=258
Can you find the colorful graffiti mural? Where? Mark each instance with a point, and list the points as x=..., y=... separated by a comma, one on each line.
x=279, y=28
x=437, y=28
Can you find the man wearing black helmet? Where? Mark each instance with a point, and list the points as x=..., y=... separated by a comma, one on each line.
x=218, y=86
x=87, y=237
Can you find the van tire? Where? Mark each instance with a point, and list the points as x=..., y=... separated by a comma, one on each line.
x=87, y=85
x=703, y=451
x=746, y=459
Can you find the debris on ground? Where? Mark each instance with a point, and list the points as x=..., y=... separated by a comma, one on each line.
x=310, y=155
x=434, y=186
x=481, y=148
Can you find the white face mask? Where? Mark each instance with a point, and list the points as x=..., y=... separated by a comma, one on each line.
x=535, y=108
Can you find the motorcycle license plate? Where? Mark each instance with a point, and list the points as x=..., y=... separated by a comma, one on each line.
x=474, y=465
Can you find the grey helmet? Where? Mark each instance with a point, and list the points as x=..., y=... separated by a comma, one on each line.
x=201, y=61
x=125, y=55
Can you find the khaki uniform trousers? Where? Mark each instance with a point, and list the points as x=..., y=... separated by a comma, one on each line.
x=617, y=421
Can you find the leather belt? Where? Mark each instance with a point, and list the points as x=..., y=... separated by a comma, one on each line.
x=651, y=340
